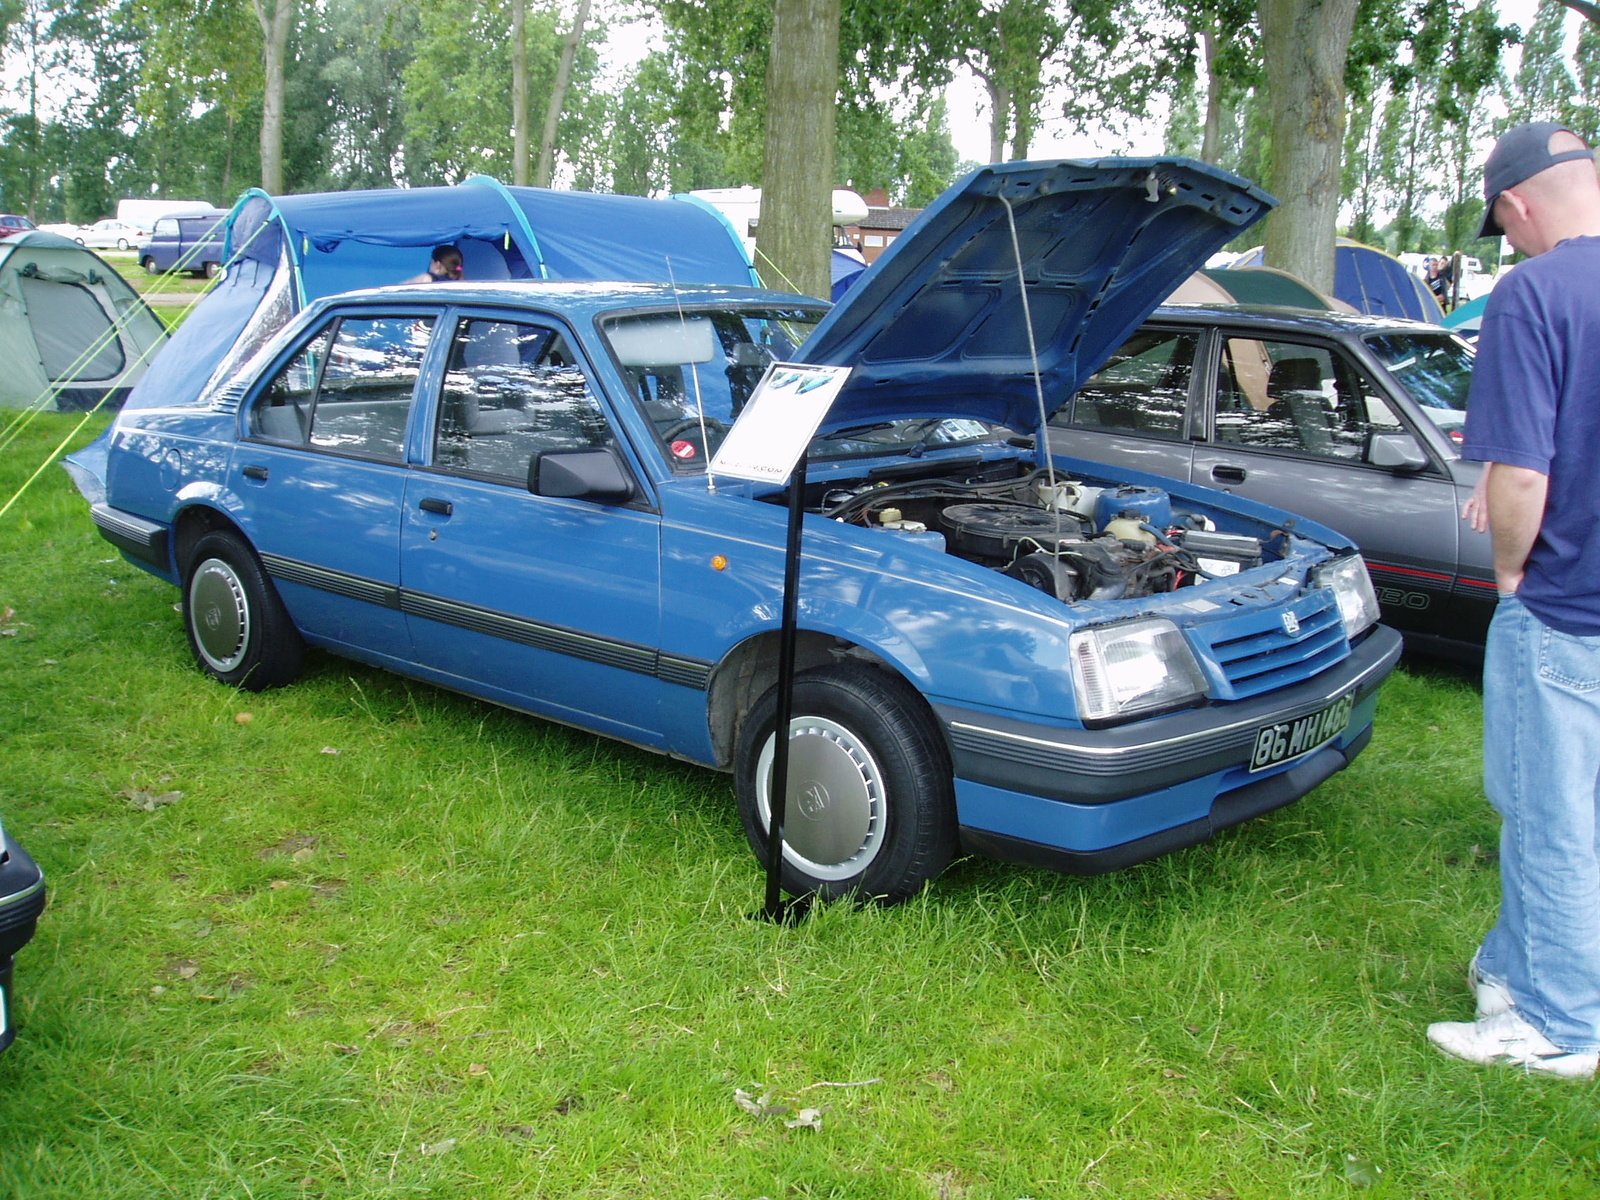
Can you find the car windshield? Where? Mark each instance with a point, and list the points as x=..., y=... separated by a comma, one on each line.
x=692, y=372
x=1434, y=368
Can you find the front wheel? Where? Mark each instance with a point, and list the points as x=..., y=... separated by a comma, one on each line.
x=149, y=265
x=238, y=628
x=870, y=809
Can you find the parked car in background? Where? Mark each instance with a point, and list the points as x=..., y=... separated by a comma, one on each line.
x=64, y=229
x=11, y=222
x=186, y=243
x=501, y=488
x=112, y=234
x=22, y=898
x=1352, y=421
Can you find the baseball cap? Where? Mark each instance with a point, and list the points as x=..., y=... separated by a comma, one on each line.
x=1520, y=154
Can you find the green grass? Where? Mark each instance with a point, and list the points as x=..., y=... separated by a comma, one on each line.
x=391, y=941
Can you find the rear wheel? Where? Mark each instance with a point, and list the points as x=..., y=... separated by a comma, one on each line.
x=238, y=628
x=871, y=804
x=122, y=243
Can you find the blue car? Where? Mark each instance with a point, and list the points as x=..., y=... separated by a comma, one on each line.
x=502, y=489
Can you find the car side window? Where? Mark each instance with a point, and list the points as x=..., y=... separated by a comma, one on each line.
x=364, y=398
x=283, y=413
x=1298, y=398
x=512, y=390
x=1144, y=388
x=349, y=390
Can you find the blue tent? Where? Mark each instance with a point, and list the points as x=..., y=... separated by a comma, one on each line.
x=285, y=251
x=1371, y=281
x=846, y=269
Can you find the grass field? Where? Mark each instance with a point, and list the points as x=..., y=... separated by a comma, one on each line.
x=362, y=937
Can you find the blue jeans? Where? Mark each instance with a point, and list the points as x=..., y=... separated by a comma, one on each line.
x=1541, y=765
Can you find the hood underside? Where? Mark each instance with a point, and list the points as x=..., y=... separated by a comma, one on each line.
x=936, y=327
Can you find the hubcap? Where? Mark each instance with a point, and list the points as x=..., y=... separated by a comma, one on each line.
x=220, y=614
x=835, y=814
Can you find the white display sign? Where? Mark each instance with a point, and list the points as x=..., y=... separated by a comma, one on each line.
x=778, y=422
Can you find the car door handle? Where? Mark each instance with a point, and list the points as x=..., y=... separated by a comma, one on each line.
x=443, y=507
x=255, y=472
x=1225, y=474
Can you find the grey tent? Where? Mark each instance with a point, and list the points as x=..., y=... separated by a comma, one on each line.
x=73, y=333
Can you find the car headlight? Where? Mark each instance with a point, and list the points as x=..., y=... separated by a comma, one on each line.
x=1358, y=603
x=1133, y=667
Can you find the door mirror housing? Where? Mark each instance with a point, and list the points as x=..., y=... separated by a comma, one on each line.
x=583, y=474
x=1397, y=452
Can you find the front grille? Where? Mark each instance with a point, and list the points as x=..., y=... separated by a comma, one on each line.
x=1257, y=653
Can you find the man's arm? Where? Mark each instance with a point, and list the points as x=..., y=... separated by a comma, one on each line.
x=1516, y=510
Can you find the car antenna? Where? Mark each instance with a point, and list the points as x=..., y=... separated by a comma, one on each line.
x=1033, y=358
x=694, y=373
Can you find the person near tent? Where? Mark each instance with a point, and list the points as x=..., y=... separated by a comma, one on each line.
x=1533, y=420
x=446, y=264
x=1441, y=274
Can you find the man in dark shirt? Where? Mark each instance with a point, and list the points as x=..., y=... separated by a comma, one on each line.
x=1534, y=417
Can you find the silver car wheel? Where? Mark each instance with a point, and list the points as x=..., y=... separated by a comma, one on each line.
x=835, y=816
x=221, y=615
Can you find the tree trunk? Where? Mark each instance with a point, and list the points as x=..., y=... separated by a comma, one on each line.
x=999, y=117
x=274, y=51
x=519, y=92
x=794, y=238
x=1211, y=138
x=1305, y=43
x=558, y=97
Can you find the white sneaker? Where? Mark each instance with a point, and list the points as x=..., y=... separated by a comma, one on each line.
x=1493, y=996
x=1507, y=1039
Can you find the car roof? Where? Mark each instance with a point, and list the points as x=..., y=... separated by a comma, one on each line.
x=578, y=298
x=1286, y=319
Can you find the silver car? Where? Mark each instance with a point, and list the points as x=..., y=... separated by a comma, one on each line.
x=1352, y=421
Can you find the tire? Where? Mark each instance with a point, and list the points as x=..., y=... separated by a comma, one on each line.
x=211, y=270
x=149, y=265
x=238, y=628
x=871, y=804
x=122, y=243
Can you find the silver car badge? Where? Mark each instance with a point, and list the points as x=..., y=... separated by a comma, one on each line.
x=1291, y=624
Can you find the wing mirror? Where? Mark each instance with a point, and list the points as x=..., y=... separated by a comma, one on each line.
x=580, y=475
x=1397, y=452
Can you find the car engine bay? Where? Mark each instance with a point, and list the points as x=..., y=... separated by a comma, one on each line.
x=1071, y=539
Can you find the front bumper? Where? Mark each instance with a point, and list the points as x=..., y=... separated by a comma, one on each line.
x=22, y=899
x=1087, y=801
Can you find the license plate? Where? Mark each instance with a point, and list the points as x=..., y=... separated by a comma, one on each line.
x=1284, y=740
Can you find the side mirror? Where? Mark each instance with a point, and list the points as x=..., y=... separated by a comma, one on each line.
x=1397, y=452
x=580, y=475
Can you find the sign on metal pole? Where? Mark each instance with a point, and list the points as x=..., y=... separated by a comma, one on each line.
x=768, y=444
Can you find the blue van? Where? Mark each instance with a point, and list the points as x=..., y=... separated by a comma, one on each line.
x=192, y=242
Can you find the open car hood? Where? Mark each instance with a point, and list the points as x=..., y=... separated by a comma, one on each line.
x=935, y=327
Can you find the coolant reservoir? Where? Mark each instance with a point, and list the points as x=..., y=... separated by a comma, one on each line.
x=1130, y=529
x=1068, y=496
x=1152, y=505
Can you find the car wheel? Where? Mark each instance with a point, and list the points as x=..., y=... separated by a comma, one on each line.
x=122, y=243
x=213, y=269
x=149, y=265
x=871, y=804
x=238, y=628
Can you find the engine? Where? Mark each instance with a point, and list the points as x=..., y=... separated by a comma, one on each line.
x=1071, y=540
